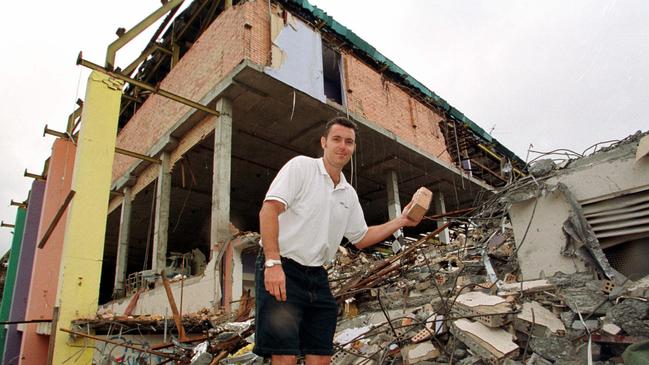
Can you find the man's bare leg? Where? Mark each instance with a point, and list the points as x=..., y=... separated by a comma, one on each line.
x=318, y=360
x=283, y=359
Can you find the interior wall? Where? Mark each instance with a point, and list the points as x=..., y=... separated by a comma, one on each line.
x=296, y=54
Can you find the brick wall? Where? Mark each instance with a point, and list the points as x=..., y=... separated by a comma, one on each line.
x=380, y=101
x=240, y=32
x=243, y=32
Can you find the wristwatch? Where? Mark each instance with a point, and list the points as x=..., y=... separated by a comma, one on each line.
x=271, y=263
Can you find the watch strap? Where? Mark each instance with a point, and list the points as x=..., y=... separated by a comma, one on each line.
x=271, y=262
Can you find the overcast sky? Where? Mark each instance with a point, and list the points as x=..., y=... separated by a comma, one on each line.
x=552, y=73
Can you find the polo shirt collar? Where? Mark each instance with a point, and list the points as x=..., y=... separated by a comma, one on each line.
x=343, y=184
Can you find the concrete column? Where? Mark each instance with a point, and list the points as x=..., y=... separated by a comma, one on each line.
x=83, y=245
x=394, y=205
x=440, y=208
x=122, y=243
x=220, y=225
x=161, y=225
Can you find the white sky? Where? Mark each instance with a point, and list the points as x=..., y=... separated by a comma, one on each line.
x=554, y=73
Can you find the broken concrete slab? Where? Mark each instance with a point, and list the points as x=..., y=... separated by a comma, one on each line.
x=538, y=320
x=632, y=315
x=554, y=348
x=497, y=311
x=585, y=301
x=541, y=167
x=415, y=353
x=589, y=325
x=491, y=344
x=526, y=287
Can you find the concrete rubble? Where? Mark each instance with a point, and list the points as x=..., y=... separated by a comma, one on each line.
x=465, y=302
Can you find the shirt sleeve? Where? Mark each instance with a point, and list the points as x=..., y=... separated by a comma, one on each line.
x=356, y=225
x=287, y=183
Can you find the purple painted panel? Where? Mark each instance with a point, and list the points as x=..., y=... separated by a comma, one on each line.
x=24, y=274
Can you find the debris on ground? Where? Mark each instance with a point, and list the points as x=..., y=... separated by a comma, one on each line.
x=465, y=302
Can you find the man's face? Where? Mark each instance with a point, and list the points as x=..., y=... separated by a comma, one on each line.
x=338, y=146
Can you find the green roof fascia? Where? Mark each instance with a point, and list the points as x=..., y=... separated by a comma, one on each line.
x=359, y=44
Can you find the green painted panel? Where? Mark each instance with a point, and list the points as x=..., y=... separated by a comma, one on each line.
x=12, y=269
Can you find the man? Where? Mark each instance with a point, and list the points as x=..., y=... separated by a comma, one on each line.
x=307, y=210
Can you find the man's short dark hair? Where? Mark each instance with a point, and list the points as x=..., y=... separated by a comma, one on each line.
x=345, y=122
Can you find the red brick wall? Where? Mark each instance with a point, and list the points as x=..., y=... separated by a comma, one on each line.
x=241, y=31
x=380, y=101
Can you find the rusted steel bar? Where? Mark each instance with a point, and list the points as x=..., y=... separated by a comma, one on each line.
x=174, y=309
x=7, y=225
x=145, y=86
x=448, y=214
x=56, y=218
x=121, y=151
x=136, y=348
x=34, y=176
x=385, y=267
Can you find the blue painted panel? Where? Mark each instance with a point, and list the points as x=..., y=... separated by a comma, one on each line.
x=302, y=66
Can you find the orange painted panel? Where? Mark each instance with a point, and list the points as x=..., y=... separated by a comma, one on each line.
x=47, y=261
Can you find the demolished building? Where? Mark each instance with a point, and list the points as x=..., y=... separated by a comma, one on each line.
x=222, y=96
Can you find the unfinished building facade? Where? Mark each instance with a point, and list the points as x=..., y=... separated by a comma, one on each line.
x=224, y=94
x=275, y=73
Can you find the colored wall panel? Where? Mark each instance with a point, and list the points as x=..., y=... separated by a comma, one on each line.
x=12, y=269
x=47, y=260
x=24, y=275
x=83, y=250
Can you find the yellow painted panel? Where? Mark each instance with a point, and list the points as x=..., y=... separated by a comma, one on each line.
x=78, y=287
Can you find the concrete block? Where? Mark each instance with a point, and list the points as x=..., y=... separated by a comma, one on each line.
x=412, y=354
x=420, y=203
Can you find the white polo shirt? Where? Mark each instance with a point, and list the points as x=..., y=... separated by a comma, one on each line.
x=317, y=215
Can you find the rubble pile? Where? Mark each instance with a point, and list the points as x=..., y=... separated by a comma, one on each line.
x=464, y=303
x=457, y=303
x=467, y=302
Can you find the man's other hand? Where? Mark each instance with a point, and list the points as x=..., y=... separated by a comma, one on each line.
x=275, y=282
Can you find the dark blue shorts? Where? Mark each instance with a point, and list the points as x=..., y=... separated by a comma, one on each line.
x=303, y=325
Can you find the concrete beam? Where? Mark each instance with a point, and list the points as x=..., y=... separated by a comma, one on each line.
x=440, y=208
x=161, y=225
x=220, y=225
x=122, y=243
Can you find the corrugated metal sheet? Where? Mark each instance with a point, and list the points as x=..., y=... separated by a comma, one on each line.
x=619, y=219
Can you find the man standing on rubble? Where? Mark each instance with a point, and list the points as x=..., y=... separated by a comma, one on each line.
x=307, y=210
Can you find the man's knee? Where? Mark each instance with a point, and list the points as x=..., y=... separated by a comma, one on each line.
x=318, y=359
x=283, y=359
